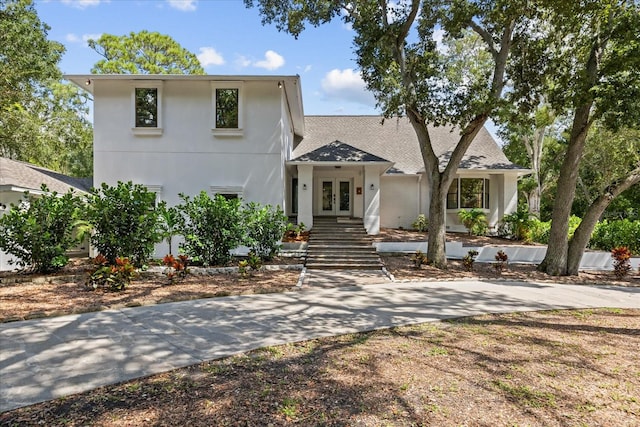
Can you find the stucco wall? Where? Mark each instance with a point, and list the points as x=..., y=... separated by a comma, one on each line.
x=400, y=200
x=187, y=157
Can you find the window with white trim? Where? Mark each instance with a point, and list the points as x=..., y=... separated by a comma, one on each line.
x=227, y=191
x=468, y=193
x=227, y=103
x=147, y=107
x=157, y=191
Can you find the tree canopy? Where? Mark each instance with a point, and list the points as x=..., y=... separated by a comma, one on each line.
x=143, y=53
x=42, y=120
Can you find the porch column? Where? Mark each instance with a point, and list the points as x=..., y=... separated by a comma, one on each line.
x=305, y=195
x=371, y=199
x=510, y=194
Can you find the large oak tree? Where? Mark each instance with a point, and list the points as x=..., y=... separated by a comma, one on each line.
x=410, y=76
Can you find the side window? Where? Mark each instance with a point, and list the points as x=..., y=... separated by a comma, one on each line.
x=452, y=195
x=146, y=100
x=227, y=109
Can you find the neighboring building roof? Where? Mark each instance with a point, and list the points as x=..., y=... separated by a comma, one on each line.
x=21, y=176
x=395, y=140
x=337, y=151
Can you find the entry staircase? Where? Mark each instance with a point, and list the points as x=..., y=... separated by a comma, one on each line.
x=341, y=244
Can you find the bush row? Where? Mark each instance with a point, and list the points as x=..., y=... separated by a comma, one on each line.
x=607, y=234
x=124, y=222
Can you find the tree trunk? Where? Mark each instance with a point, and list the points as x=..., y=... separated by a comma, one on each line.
x=436, y=249
x=581, y=237
x=555, y=260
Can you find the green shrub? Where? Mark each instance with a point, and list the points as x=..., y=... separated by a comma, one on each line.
x=39, y=231
x=475, y=220
x=264, y=226
x=421, y=223
x=211, y=228
x=539, y=230
x=610, y=234
x=517, y=225
x=125, y=222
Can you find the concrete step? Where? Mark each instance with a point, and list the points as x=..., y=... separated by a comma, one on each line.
x=343, y=266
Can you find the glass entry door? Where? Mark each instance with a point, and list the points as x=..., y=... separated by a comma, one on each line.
x=335, y=196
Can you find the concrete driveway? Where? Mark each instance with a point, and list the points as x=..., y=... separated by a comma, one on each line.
x=47, y=358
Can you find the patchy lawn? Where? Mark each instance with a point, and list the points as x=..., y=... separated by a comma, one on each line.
x=557, y=368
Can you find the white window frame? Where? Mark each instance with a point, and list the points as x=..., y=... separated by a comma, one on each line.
x=226, y=132
x=147, y=84
x=227, y=189
x=157, y=190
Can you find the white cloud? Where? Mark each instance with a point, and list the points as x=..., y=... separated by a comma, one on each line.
x=82, y=4
x=304, y=69
x=242, y=61
x=346, y=85
x=210, y=56
x=183, y=5
x=437, y=37
x=74, y=38
x=272, y=61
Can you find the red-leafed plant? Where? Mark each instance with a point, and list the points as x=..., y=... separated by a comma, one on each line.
x=501, y=261
x=176, y=267
x=621, y=264
x=113, y=277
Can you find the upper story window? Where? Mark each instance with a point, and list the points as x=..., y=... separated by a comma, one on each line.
x=227, y=108
x=147, y=107
x=468, y=193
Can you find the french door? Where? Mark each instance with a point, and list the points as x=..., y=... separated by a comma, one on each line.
x=335, y=196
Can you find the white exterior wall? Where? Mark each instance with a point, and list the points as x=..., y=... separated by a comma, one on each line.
x=401, y=200
x=188, y=157
x=371, y=191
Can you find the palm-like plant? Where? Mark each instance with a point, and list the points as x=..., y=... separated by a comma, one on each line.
x=475, y=220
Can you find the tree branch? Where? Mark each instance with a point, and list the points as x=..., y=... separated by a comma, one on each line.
x=486, y=37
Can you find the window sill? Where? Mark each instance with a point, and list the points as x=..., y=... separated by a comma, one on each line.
x=147, y=131
x=227, y=133
x=455, y=210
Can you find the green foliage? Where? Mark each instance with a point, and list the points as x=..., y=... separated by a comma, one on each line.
x=475, y=220
x=517, y=225
x=469, y=259
x=421, y=223
x=211, y=227
x=418, y=259
x=125, y=222
x=111, y=276
x=264, y=227
x=254, y=261
x=608, y=235
x=621, y=263
x=169, y=220
x=143, y=53
x=539, y=230
x=40, y=230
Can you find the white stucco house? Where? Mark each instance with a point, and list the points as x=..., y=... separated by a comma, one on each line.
x=247, y=136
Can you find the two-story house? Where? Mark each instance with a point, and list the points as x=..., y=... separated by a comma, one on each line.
x=247, y=136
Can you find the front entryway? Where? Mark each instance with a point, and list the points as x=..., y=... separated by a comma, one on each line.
x=335, y=196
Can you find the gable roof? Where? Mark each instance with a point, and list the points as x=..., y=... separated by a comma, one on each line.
x=395, y=140
x=337, y=151
x=21, y=176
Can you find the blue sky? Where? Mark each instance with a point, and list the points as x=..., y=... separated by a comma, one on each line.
x=228, y=39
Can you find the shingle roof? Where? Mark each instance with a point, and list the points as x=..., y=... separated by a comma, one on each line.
x=396, y=141
x=337, y=151
x=31, y=177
